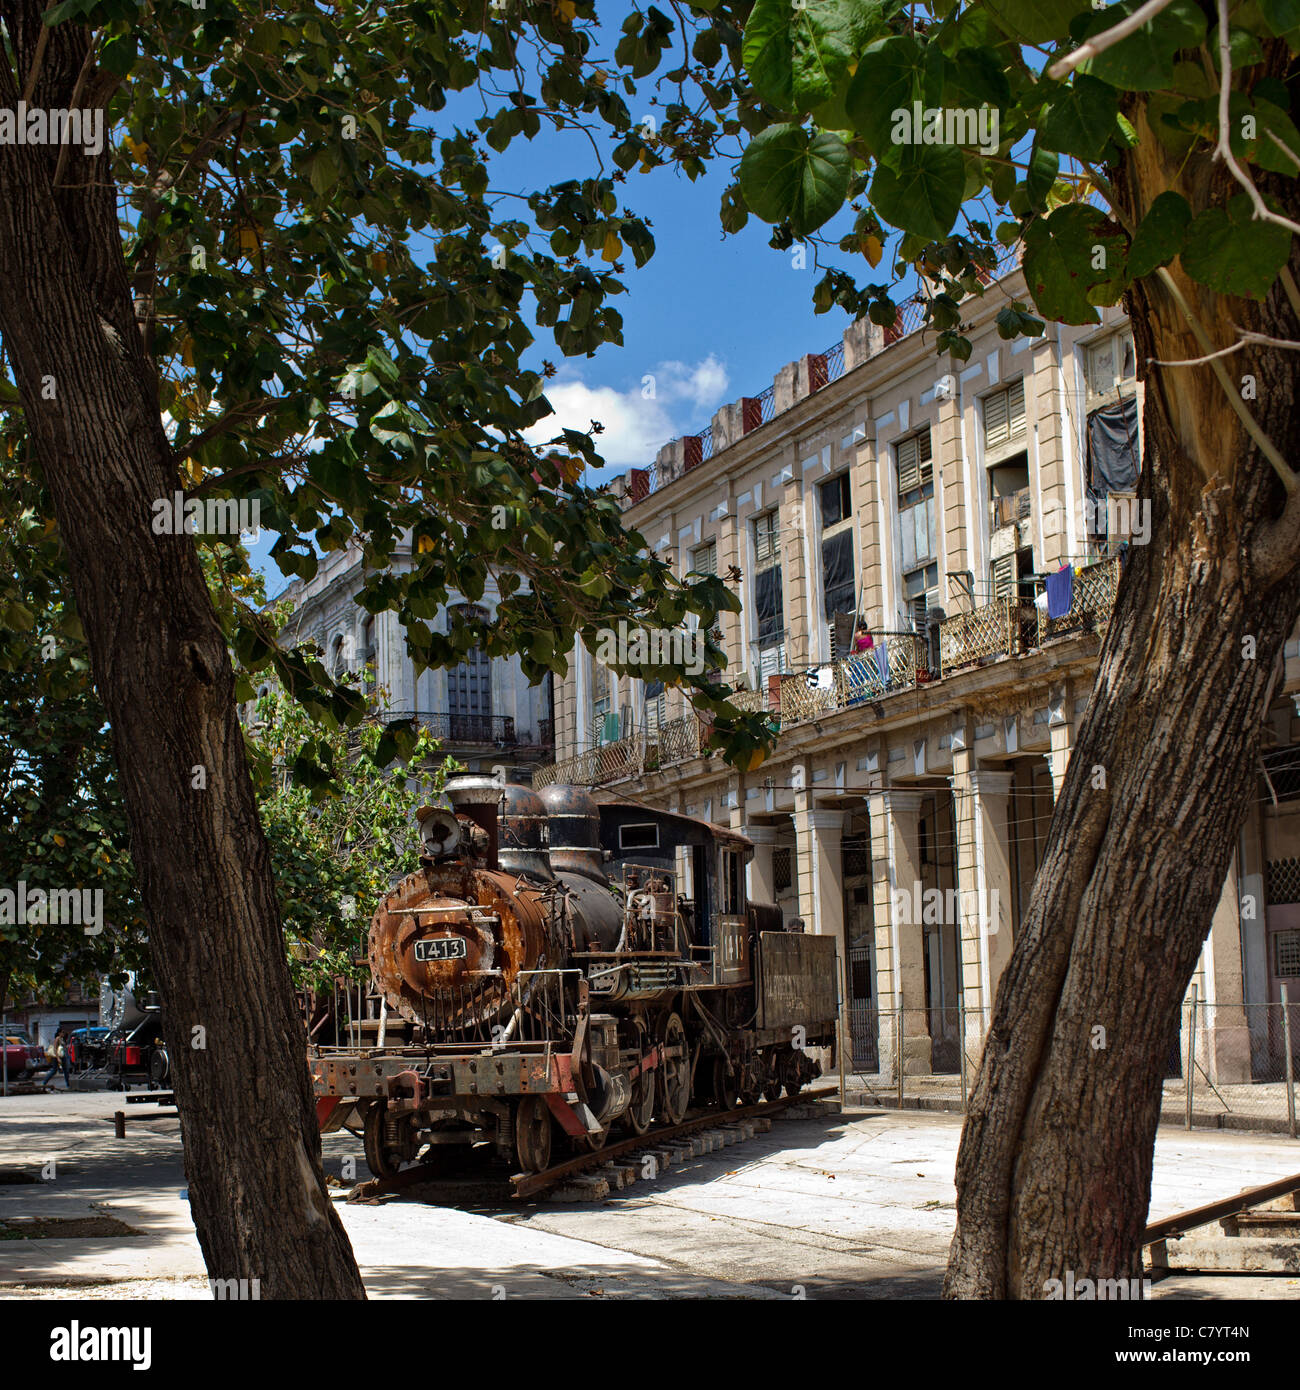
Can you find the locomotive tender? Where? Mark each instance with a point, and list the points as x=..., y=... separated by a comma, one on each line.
x=557, y=967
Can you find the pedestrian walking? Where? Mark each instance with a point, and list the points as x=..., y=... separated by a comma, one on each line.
x=57, y=1056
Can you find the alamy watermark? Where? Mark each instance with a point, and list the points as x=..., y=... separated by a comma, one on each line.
x=38, y=125
x=207, y=516
x=78, y=907
x=947, y=125
x=934, y=906
x=655, y=646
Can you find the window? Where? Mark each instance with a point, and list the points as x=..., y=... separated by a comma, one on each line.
x=782, y=871
x=1009, y=492
x=912, y=455
x=604, y=720
x=704, y=558
x=767, y=539
x=656, y=707
x=769, y=606
x=371, y=657
x=839, y=586
x=835, y=499
x=1111, y=364
x=918, y=547
x=1004, y=415
x=638, y=836
x=469, y=685
x=732, y=898
x=1286, y=954
x=338, y=656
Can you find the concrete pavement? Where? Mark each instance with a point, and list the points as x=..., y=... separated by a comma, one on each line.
x=859, y=1205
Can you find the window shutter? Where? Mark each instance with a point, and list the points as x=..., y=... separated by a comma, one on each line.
x=771, y=661
x=925, y=468
x=1016, y=409
x=920, y=606
x=909, y=473
x=705, y=559
x=1003, y=574
x=995, y=419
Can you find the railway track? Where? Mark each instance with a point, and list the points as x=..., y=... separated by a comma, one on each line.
x=637, y=1147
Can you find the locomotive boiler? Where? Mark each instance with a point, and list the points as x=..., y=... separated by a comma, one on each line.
x=557, y=969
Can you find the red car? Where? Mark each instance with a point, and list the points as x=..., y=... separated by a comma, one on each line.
x=21, y=1056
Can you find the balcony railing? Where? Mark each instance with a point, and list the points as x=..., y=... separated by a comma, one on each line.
x=856, y=679
x=1095, y=587
x=495, y=729
x=1011, y=626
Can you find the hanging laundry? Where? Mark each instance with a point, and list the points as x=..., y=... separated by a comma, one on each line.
x=1060, y=592
x=881, y=653
x=862, y=642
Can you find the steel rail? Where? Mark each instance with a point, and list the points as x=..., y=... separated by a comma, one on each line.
x=1171, y=1226
x=525, y=1184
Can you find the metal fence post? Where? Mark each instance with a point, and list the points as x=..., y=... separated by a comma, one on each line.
x=961, y=1043
x=898, y=1053
x=1290, y=1064
x=1189, y=1067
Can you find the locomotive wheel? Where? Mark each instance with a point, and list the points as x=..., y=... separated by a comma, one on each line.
x=640, y=1113
x=533, y=1134
x=726, y=1088
x=675, y=1073
x=382, y=1159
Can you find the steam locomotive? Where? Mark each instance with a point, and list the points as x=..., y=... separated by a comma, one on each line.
x=557, y=968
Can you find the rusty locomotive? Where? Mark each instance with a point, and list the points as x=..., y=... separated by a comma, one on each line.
x=557, y=969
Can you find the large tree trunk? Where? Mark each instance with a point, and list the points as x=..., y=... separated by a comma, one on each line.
x=1054, y=1170
x=162, y=670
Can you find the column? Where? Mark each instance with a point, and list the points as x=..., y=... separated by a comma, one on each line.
x=821, y=891
x=900, y=933
x=1227, y=1033
x=762, y=880
x=1060, y=725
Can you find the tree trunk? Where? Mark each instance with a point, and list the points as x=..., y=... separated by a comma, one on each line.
x=163, y=673
x=1054, y=1170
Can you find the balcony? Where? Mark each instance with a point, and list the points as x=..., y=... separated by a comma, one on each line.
x=1012, y=626
x=854, y=680
x=488, y=730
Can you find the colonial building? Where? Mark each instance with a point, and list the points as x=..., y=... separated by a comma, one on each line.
x=928, y=553
x=484, y=710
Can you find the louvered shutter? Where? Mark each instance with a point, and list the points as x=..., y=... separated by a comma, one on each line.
x=909, y=469
x=706, y=559
x=1016, y=409
x=925, y=468
x=1003, y=575
x=995, y=419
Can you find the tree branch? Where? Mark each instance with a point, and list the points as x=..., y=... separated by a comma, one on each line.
x=1107, y=39
x=1223, y=146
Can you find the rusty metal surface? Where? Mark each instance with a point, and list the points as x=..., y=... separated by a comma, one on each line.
x=797, y=980
x=493, y=926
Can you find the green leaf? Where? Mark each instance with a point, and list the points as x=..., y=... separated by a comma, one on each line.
x=924, y=195
x=892, y=74
x=1144, y=61
x=1160, y=235
x=1069, y=256
x=1081, y=119
x=796, y=57
x=1035, y=21
x=1041, y=175
x=1281, y=16
x=1232, y=252
x=786, y=174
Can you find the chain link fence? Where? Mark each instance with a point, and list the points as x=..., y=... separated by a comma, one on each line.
x=1231, y=1066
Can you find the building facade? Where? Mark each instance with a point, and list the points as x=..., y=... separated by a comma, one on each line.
x=927, y=553
x=484, y=710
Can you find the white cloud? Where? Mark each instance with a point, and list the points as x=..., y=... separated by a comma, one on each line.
x=674, y=398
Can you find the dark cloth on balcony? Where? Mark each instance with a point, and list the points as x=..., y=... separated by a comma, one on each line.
x=1060, y=592
x=1113, y=462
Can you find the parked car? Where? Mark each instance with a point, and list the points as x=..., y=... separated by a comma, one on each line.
x=136, y=1052
x=87, y=1047
x=21, y=1056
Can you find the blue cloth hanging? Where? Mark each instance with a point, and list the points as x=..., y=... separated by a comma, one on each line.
x=881, y=653
x=1060, y=592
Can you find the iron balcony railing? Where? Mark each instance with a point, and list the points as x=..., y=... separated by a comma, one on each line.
x=495, y=729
